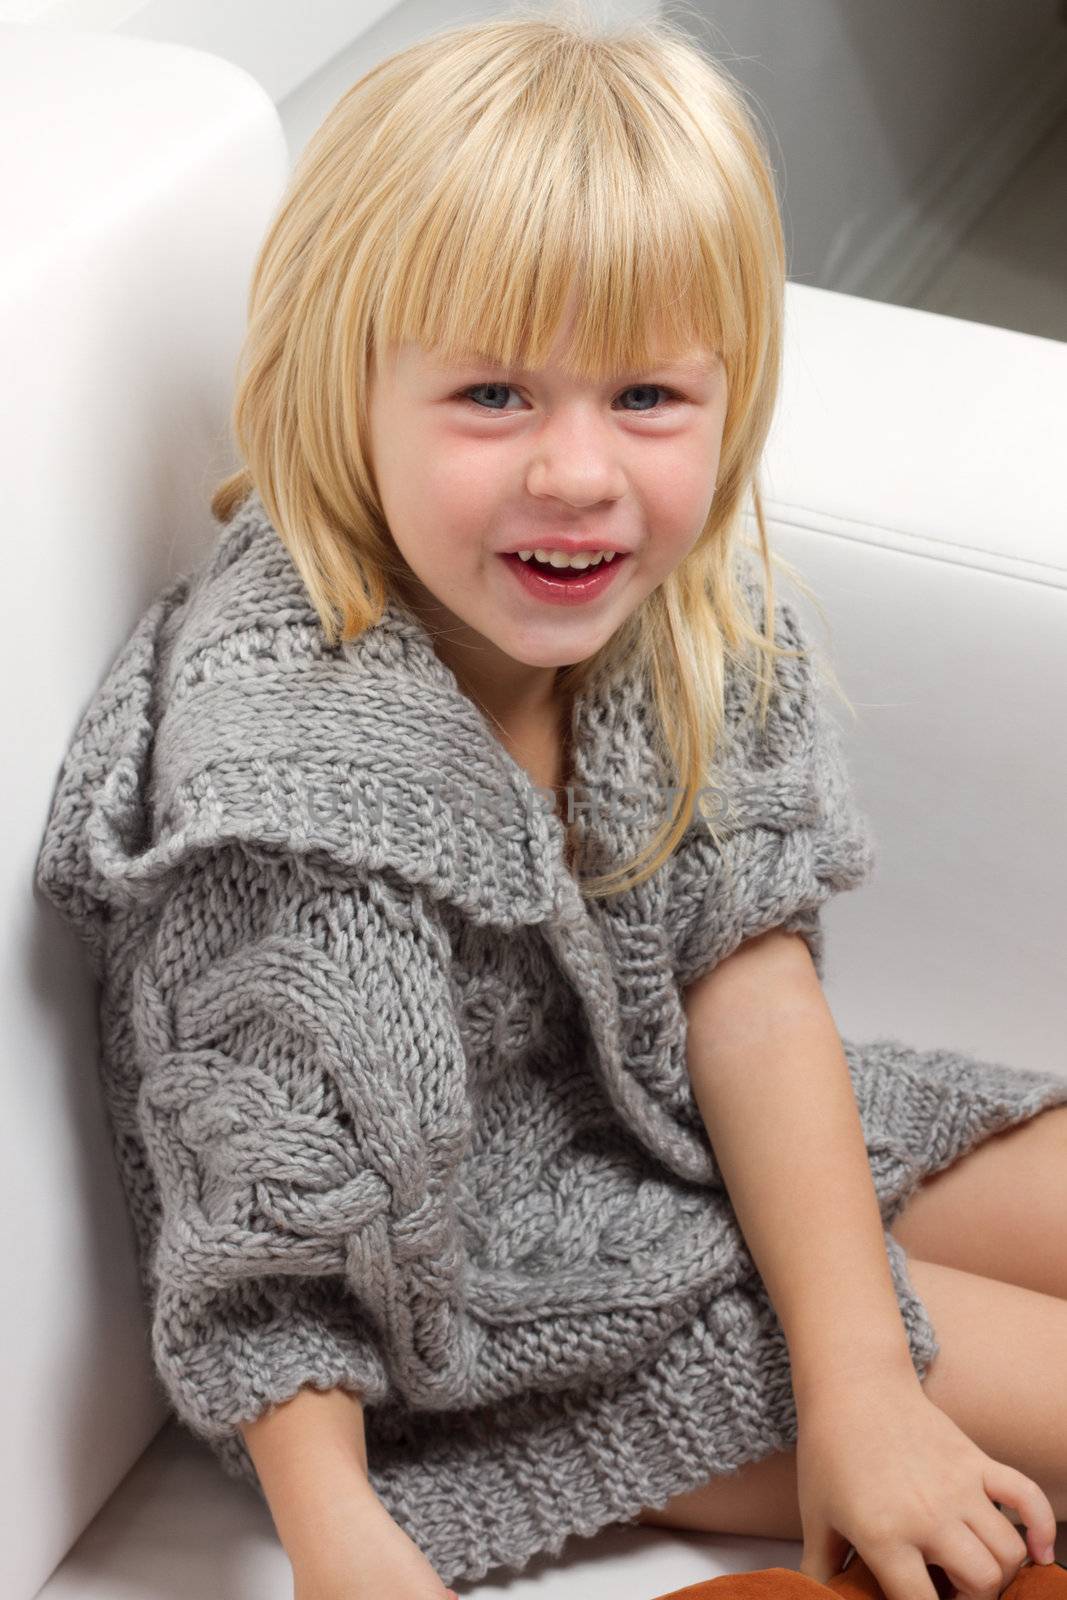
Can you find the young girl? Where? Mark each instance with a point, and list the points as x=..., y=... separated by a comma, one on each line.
x=451, y=848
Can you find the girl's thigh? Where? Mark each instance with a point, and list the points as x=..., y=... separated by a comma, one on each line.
x=996, y=1375
x=759, y=1499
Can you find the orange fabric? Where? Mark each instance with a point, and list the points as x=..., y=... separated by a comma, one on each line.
x=857, y=1582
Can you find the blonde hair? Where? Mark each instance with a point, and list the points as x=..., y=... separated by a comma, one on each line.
x=452, y=196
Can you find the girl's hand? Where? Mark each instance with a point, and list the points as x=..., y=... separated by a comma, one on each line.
x=883, y=1469
x=365, y=1556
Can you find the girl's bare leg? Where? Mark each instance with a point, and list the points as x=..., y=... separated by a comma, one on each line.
x=1000, y=1210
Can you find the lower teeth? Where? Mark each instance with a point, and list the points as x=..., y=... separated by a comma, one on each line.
x=548, y=571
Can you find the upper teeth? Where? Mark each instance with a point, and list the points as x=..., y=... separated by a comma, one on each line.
x=557, y=558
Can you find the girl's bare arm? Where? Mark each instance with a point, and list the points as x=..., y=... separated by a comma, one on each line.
x=770, y=1077
x=307, y=1453
x=311, y=1457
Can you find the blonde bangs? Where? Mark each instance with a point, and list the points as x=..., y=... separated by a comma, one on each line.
x=620, y=207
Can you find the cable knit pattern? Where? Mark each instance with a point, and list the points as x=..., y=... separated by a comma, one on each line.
x=395, y=1109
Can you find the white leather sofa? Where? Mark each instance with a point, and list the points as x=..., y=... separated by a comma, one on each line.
x=916, y=477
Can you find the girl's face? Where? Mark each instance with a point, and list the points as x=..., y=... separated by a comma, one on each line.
x=473, y=462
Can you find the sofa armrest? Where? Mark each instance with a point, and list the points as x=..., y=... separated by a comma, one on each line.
x=145, y=176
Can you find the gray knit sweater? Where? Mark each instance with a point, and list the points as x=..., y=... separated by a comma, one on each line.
x=395, y=1108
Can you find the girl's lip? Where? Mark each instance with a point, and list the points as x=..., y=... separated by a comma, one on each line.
x=564, y=591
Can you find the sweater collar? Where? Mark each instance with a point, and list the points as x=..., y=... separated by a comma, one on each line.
x=227, y=718
x=459, y=802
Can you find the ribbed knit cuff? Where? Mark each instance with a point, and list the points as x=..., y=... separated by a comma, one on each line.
x=256, y=1345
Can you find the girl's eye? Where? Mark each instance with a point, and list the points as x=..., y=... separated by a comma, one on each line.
x=637, y=388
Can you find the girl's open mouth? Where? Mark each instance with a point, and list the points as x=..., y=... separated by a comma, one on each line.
x=564, y=585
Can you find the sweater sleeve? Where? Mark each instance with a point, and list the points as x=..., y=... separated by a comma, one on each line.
x=292, y=1131
x=784, y=803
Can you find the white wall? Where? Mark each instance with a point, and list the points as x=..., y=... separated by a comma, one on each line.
x=892, y=126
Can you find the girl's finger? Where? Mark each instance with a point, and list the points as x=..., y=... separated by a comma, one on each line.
x=902, y=1573
x=977, y=1558
x=1002, y=1538
x=1005, y=1485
